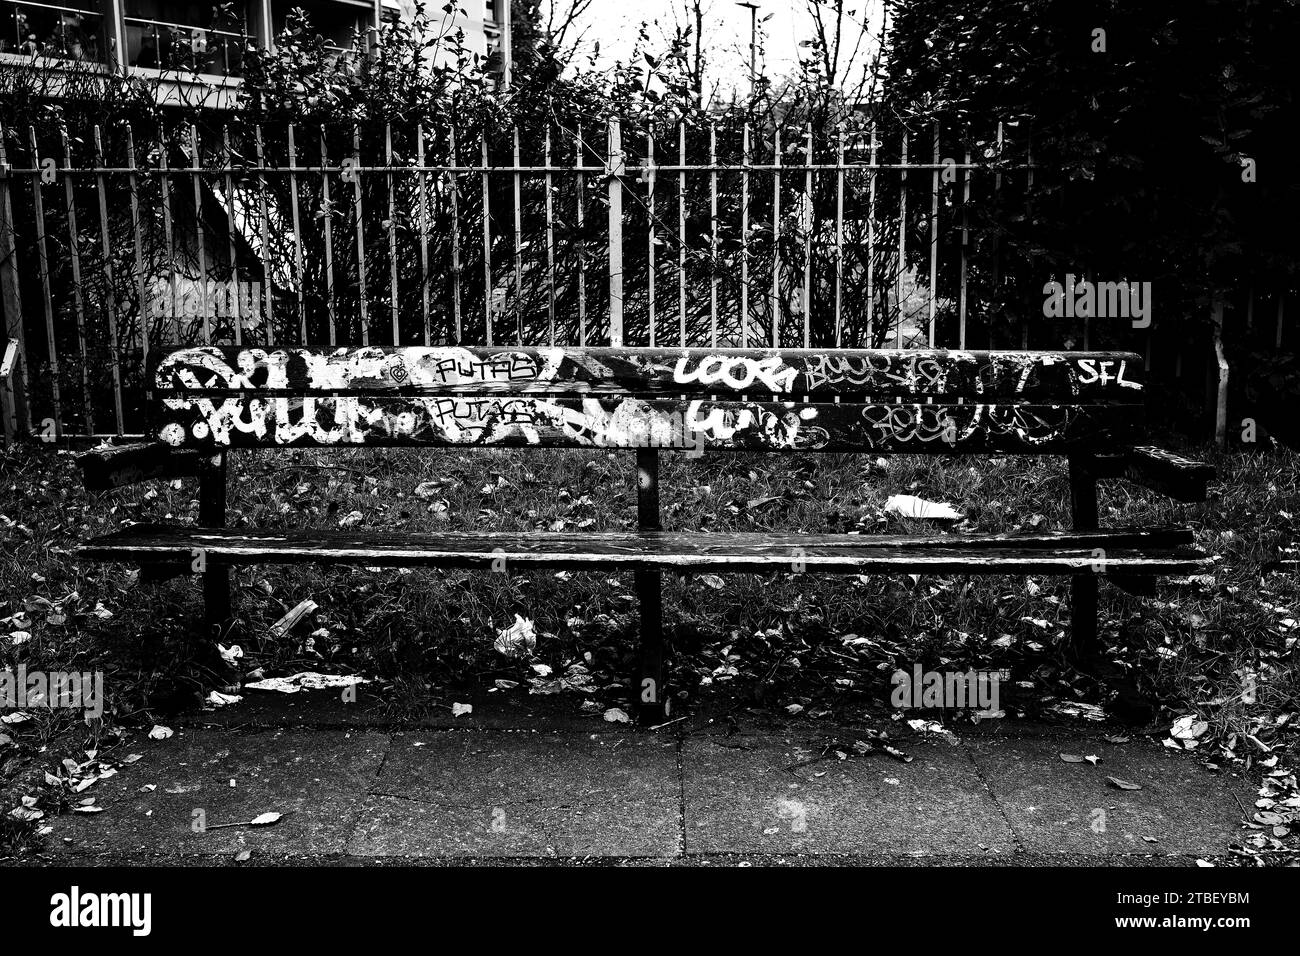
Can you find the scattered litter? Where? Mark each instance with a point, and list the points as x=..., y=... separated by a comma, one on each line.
x=910, y=506
x=217, y=699
x=307, y=680
x=517, y=640
x=287, y=623
x=616, y=715
x=1074, y=708
x=159, y=732
x=460, y=710
x=930, y=727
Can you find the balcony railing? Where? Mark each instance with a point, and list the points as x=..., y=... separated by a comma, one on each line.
x=46, y=29
x=161, y=45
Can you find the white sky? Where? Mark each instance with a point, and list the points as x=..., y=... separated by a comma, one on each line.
x=726, y=30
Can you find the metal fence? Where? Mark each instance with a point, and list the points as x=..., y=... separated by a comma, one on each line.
x=113, y=242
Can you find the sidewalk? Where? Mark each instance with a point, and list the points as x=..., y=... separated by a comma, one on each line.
x=512, y=783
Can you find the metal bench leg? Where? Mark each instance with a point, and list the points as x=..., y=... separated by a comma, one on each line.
x=216, y=576
x=1083, y=587
x=652, y=700
x=650, y=695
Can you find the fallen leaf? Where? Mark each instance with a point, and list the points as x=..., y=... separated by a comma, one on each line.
x=1071, y=758
x=428, y=489
x=265, y=819
x=1123, y=784
x=1188, y=729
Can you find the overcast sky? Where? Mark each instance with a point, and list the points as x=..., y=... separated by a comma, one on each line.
x=614, y=24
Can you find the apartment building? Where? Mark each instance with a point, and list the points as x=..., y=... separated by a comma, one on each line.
x=196, y=49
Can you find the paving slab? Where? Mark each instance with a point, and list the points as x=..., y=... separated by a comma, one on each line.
x=318, y=778
x=1070, y=808
x=507, y=794
x=513, y=710
x=744, y=796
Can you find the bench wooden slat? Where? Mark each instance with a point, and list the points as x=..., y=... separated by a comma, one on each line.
x=1059, y=553
x=1075, y=377
x=606, y=422
x=1180, y=478
x=115, y=466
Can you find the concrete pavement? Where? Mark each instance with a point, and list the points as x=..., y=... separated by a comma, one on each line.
x=517, y=783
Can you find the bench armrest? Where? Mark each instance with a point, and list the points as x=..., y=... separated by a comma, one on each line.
x=115, y=466
x=1182, y=479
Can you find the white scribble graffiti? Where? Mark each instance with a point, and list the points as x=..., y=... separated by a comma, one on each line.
x=738, y=372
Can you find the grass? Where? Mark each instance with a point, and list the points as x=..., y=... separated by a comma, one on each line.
x=825, y=643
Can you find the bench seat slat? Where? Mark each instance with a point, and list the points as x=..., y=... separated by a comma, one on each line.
x=605, y=422
x=913, y=373
x=1180, y=478
x=1157, y=551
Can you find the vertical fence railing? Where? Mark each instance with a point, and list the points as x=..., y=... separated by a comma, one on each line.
x=279, y=236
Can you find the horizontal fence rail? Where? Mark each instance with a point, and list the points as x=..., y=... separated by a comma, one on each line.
x=120, y=241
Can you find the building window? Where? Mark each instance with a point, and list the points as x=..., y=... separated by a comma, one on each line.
x=187, y=36
x=338, y=22
x=70, y=30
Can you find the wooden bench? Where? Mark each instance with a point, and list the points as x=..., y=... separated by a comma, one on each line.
x=209, y=401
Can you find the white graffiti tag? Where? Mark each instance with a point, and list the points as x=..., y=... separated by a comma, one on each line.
x=738, y=372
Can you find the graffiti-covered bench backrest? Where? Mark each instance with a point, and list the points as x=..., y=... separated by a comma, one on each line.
x=885, y=401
